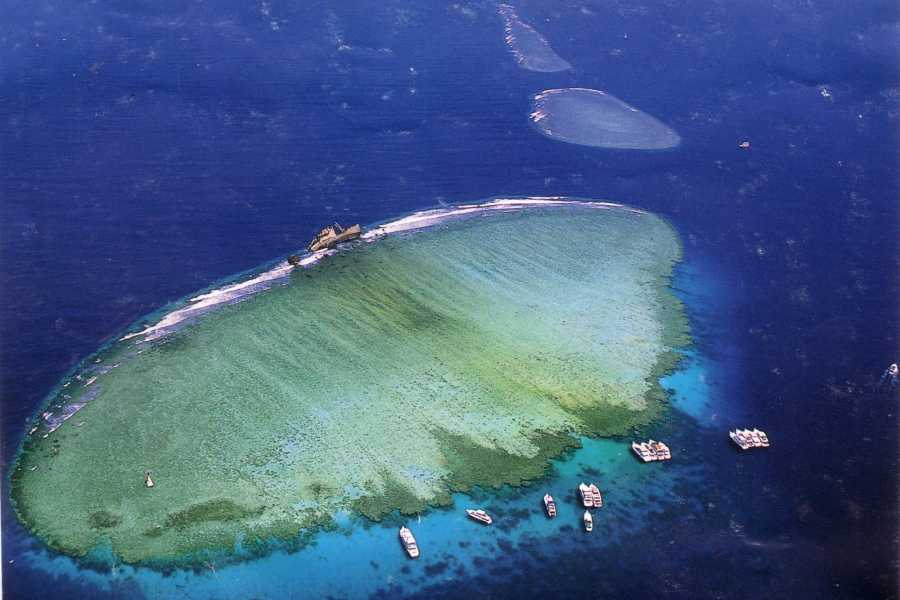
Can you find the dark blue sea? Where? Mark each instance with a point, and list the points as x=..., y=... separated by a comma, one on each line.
x=149, y=149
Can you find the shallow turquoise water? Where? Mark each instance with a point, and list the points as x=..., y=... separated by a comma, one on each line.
x=357, y=560
x=361, y=558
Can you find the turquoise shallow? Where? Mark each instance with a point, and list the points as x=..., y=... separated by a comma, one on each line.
x=358, y=558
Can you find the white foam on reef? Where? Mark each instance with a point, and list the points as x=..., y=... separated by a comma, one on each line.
x=53, y=421
x=595, y=118
x=529, y=47
x=238, y=292
x=429, y=218
x=224, y=295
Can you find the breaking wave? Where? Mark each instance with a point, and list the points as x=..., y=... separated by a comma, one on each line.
x=237, y=292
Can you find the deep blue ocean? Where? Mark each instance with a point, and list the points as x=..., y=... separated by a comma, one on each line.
x=148, y=149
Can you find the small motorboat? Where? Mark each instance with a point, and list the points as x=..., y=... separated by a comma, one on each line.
x=587, y=500
x=588, y=521
x=596, y=497
x=549, y=505
x=479, y=515
x=409, y=542
x=148, y=481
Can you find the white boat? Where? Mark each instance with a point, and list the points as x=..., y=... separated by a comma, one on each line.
x=409, y=542
x=738, y=438
x=586, y=499
x=588, y=521
x=479, y=515
x=148, y=481
x=596, y=498
x=753, y=437
x=549, y=505
x=662, y=451
x=749, y=438
x=641, y=451
x=666, y=453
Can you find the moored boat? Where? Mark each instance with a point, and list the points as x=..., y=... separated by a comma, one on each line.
x=749, y=438
x=651, y=450
x=479, y=515
x=549, y=505
x=667, y=453
x=588, y=521
x=586, y=499
x=641, y=451
x=409, y=542
x=738, y=439
x=596, y=497
x=662, y=451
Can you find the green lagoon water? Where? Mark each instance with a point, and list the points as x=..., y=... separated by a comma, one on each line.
x=383, y=378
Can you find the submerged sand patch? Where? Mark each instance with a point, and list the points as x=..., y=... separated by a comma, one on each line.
x=595, y=118
x=530, y=49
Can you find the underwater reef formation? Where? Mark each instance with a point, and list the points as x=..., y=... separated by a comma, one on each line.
x=529, y=47
x=594, y=118
x=382, y=378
